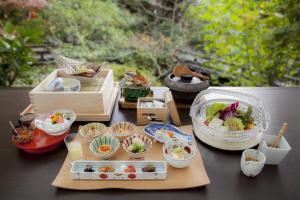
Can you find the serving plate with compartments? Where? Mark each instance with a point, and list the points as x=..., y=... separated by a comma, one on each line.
x=77, y=170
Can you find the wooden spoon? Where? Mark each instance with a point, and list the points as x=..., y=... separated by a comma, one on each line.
x=182, y=70
x=279, y=135
x=15, y=131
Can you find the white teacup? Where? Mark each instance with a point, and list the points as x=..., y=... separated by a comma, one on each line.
x=252, y=167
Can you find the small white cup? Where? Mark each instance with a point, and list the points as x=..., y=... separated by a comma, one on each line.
x=274, y=155
x=252, y=168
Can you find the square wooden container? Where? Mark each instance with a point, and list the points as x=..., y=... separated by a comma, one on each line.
x=159, y=114
x=84, y=103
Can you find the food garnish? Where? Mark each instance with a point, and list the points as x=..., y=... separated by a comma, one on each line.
x=137, y=146
x=88, y=168
x=105, y=148
x=135, y=79
x=92, y=131
x=230, y=117
x=130, y=169
x=106, y=169
x=59, y=118
x=149, y=168
x=24, y=135
x=121, y=130
x=179, y=153
x=164, y=134
x=85, y=71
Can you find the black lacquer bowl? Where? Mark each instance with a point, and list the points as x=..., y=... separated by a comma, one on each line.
x=185, y=88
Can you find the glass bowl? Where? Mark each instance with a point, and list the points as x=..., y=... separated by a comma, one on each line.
x=43, y=122
x=207, y=97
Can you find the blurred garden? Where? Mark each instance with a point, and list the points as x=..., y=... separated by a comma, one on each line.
x=235, y=42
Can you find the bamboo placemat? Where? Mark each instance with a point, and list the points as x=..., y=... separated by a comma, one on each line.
x=190, y=177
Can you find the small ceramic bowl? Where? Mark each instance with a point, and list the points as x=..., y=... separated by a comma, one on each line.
x=128, y=141
x=43, y=122
x=64, y=84
x=251, y=164
x=122, y=130
x=24, y=134
x=26, y=119
x=99, y=141
x=274, y=155
x=92, y=130
x=133, y=93
x=178, y=163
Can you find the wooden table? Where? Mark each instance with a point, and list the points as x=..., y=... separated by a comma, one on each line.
x=27, y=176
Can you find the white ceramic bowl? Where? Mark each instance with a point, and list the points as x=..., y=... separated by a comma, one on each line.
x=113, y=142
x=122, y=130
x=92, y=130
x=274, y=155
x=42, y=122
x=178, y=163
x=128, y=141
x=252, y=168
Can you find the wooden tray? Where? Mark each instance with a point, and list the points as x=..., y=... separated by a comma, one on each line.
x=126, y=104
x=90, y=117
x=190, y=177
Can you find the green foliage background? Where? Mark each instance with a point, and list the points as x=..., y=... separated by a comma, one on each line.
x=246, y=43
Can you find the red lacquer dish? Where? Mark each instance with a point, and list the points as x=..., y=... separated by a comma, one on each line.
x=41, y=142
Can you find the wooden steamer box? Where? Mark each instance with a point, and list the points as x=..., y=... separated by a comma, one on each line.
x=146, y=115
x=92, y=104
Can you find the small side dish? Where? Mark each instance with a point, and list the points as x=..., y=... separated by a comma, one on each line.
x=26, y=119
x=137, y=146
x=105, y=146
x=119, y=170
x=134, y=86
x=252, y=162
x=122, y=130
x=164, y=132
x=179, y=153
x=129, y=169
x=24, y=135
x=149, y=168
x=88, y=168
x=56, y=123
x=106, y=169
x=37, y=141
x=92, y=130
x=230, y=117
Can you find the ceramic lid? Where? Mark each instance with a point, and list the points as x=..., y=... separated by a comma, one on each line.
x=185, y=83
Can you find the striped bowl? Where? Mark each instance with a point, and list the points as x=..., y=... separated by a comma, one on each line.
x=122, y=130
x=128, y=141
x=85, y=131
x=104, y=140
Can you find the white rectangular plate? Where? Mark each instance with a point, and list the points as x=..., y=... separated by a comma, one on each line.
x=77, y=170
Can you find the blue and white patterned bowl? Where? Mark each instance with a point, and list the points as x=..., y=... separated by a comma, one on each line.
x=151, y=130
x=113, y=142
x=64, y=84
